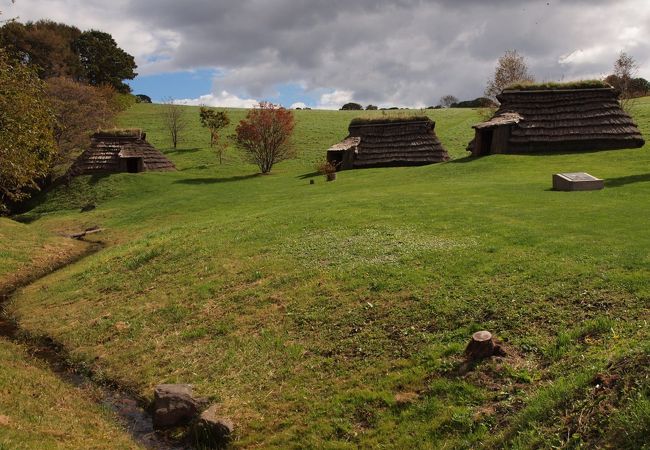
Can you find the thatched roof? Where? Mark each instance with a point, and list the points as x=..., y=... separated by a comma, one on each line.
x=506, y=118
x=345, y=145
x=109, y=148
x=564, y=120
x=394, y=142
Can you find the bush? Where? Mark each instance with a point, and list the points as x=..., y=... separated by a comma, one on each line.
x=325, y=168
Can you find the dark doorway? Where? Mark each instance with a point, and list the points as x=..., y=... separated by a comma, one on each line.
x=485, y=141
x=335, y=158
x=133, y=165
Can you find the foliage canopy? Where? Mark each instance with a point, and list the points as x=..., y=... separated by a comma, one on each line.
x=103, y=61
x=79, y=109
x=265, y=134
x=27, y=143
x=60, y=50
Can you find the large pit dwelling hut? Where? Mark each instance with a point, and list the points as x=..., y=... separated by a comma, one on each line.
x=113, y=151
x=388, y=142
x=566, y=118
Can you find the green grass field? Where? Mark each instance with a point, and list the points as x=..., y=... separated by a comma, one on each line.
x=335, y=315
x=37, y=409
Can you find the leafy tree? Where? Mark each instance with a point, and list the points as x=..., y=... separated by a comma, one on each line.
x=265, y=135
x=214, y=121
x=141, y=98
x=351, y=106
x=173, y=119
x=639, y=87
x=79, y=109
x=103, y=61
x=60, y=50
x=447, y=100
x=26, y=131
x=371, y=108
x=480, y=102
x=511, y=68
x=45, y=44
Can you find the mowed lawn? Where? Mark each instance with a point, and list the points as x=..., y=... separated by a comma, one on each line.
x=335, y=315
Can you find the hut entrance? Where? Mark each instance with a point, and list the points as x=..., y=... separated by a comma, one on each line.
x=335, y=158
x=484, y=144
x=133, y=165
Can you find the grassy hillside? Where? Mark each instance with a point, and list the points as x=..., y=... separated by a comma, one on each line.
x=37, y=409
x=26, y=252
x=335, y=314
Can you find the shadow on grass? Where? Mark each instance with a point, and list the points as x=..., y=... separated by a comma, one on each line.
x=308, y=175
x=26, y=218
x=96, y=178
x=181, y=150
x=214, y=180
x=465, y=159
x=622, y=181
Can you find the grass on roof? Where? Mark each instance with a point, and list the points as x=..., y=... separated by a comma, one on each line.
x=120, y=132
x=579, y=84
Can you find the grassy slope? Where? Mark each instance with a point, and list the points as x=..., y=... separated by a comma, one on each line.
x=27, y=251
x=37, y=410
x=305, y=308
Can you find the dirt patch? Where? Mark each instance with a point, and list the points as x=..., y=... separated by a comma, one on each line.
x=607, y=393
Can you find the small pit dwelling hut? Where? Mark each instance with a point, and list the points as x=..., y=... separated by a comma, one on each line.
x=560, y=118
x=387, y=142
x=125, y=150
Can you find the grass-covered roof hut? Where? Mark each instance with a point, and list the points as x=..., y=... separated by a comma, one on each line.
x=386, y=142
x=556, y=117
x=125, y=150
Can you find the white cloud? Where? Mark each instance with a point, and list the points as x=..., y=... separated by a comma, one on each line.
x=223, y=100
x=385, y=52
x=298, y=105
x=584, y=56
x=335, y=99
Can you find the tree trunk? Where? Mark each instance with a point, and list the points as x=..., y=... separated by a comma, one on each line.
x=481, y=346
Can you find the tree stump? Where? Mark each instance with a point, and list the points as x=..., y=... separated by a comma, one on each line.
x=481, y=346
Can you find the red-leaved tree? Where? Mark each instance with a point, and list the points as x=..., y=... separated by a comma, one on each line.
x=265, y=135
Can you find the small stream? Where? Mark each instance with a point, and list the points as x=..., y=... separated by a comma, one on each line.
x=131, y=411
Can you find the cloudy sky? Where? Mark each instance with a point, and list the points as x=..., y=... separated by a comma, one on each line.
x=324, y=53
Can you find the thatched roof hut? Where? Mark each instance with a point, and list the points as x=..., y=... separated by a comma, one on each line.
x=120, y=151
x=388, y=142
x=532, y=119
